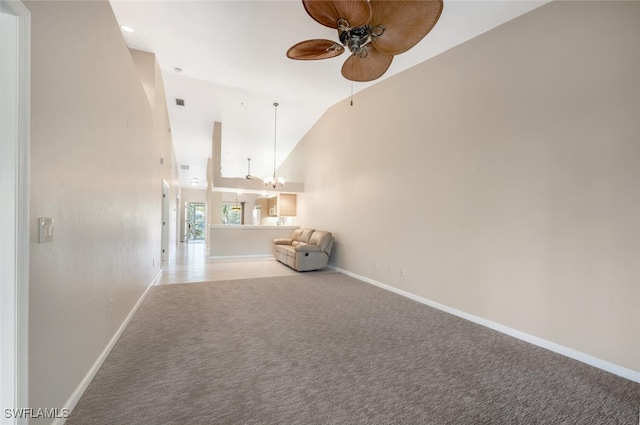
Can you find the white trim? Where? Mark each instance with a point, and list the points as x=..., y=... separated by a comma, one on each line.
x=23, y=213
x=18, y=286
x=75, y=396
x=552, y=346
x=155, y=281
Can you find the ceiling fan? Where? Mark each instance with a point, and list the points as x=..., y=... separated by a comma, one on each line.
x=373, y=31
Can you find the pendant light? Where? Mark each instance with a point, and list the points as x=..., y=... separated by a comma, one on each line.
x=272, y=180
x=236, y=207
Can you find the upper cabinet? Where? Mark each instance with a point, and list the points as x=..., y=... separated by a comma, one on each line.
x=282, y=205
x=287, y=204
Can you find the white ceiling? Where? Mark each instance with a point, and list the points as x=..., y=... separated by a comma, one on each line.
x=234, y=67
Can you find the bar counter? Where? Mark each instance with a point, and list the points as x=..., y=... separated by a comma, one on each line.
x=229, y=241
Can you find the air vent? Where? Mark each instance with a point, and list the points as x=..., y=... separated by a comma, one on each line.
x=180, y=102
x=184, y=167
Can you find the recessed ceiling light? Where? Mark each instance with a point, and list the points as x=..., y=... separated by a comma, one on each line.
x=126, y=28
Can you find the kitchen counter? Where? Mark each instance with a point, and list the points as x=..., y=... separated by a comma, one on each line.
x=250, y=226
x=229, y=241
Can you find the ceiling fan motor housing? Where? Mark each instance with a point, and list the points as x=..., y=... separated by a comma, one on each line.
x=354, y=38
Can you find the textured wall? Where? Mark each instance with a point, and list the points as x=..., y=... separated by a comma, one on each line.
x=96, y=145
x=502, y=176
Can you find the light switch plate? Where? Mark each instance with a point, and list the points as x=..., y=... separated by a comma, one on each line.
x=46, y=229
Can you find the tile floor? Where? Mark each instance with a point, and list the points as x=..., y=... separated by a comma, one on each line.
x=192, y=264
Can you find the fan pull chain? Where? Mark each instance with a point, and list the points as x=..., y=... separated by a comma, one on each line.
x=352, y=93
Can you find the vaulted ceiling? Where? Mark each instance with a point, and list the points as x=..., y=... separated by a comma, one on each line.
x=227, y=61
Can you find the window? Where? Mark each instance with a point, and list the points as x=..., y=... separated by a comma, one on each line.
x=233, y=213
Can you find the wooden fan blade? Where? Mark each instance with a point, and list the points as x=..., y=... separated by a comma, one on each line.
x=373, y=66
x=405, y=23
x=315, y=49
x=327, y=13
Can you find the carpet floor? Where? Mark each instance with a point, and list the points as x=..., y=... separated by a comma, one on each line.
x=324, y=348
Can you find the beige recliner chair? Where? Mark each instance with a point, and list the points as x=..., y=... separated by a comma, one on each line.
x=307, y=249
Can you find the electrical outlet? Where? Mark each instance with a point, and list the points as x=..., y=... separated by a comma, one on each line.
x=110, y=306
x=374, y=265
x=402, y=272
x=390, y=268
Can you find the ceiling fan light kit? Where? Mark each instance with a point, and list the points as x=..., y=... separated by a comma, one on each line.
x=374, y=31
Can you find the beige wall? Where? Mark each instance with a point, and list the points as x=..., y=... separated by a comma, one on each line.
x=150, y=76
x=502, y=176
x=194, y=195
x=145, y=63
x=96, y=145
x=168, y=163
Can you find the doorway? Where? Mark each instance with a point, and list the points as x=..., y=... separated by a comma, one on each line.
x=194, y=224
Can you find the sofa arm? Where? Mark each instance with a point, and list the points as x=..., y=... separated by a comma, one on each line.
x=282, y=241
x=307, y=248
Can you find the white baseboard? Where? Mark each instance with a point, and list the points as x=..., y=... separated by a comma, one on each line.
x=241, y=257
x=75, y=396
x=557, y=348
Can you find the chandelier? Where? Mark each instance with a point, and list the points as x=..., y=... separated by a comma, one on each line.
x=272, y=180
x=236, y=207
